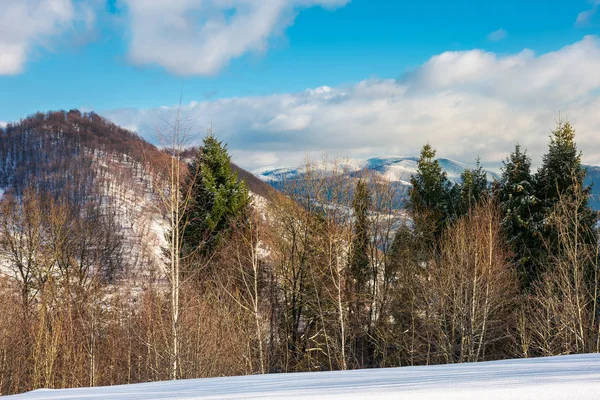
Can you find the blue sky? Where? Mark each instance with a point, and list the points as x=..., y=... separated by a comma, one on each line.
x=243, y=62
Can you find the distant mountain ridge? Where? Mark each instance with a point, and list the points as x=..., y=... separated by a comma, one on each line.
x=398, y=170
x=593, y=178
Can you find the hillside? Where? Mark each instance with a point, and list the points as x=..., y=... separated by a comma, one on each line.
x=564, y=378
x=92, y=164
x=49, y=149
x=84, y=278
x=101, y=174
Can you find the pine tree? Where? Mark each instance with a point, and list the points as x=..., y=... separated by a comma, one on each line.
x=430, y=197
x=560, y=174
x=217, y=197
x=519, y=205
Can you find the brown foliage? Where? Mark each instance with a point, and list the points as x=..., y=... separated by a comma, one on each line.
x=470, y=291
x=274, y=296
x=560, y=315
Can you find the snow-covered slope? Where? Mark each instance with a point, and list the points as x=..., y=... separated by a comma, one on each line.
x=565, y=377
x=392, y=168
x=339, y=165
x=89, y=160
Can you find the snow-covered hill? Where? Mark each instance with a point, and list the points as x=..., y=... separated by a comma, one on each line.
x=392, y=168
x=92, y=162
x=564, y=377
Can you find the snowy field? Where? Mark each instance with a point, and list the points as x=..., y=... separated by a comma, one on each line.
x=565, y=377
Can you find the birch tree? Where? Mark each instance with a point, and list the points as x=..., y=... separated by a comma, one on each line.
x=168, y=178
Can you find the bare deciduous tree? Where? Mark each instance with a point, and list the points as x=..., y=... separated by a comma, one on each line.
x=560, y=314
x=471, y=289
x=168, y=179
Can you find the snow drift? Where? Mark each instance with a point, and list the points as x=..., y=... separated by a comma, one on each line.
x=564, y=377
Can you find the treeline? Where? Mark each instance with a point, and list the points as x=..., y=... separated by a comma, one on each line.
x=478, y=271
x=513, y=265
x=328, y=275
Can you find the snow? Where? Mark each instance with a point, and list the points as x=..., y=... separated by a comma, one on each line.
x=391, y=168
x=337, y=166
x=564, y=377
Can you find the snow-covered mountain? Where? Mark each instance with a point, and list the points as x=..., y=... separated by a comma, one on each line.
x=593, y=178
x=398, y=170
x=395, y=169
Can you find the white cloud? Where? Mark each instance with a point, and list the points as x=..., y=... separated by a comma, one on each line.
x=496, y=36
x=27, y=24
x=191, y=37
x=286, y=123
x=3, y=124
x=465, y=103
x=584, y=18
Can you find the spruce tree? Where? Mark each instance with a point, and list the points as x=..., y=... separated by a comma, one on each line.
x=561, y=174
x=359, y=258
x=561, y=165
x=217, y=197
x=359, y=268
x=472, y=188
x=429, y=202
x=519, y=205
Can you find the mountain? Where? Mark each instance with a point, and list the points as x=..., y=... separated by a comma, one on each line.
x=593, y=178
x=95, y=173
x=103, y=174
x=397, y=170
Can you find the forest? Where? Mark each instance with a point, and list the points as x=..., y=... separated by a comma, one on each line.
x=328, y=273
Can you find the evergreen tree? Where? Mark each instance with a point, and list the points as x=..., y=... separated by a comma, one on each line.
x=472, y=188
x=560, y=174
x=519, y=205
x=359, y=270
x=359, y=258
x=429, y=202
x=561, y=165
x=216, y=198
